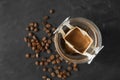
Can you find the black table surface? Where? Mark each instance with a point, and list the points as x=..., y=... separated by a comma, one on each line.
x=16, y=14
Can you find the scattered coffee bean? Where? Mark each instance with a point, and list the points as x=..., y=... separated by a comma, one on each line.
x=47, y=44
x=44, y=69
x=36, y=63
x=54, y=62
x=34, y=37
x=52, y=57
x=36, y=29
x=69, y=68
x=37, y=55
x=48, y=25
x=53, y=29
x=46, y=17
x=75, y=68
x=49, y=69
x=51, y=11
x=49, y=34
x=30, y=34
x=35, y=24
x=31, y=28
x=33, y=56
x=27, y=29
x=57, y=71
x=59, y=76
x=58, y=61
x=48, y=51
x=45, y=63
x=52, y=74
x=44, y=23
x=44, y=77
x=48, y=79
x=27, y=55
x=33, y=48
x=68, y=73
x=47, y=31
x=25, y=39
x=31, y=24
x=41, y=63
x=44, y=38
x=29, y=44
x=49, y=41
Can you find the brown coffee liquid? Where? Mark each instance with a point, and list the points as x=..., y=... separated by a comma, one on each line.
x=78, y=40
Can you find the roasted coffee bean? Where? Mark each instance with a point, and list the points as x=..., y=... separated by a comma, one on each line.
x=44, y=77
x=48, y=60
x=44, y=29
x=57, y=71
x=27, y=29
x=53, y=29
x=37, y=63
x=44, y=69
x=45, y=63
x=33, y=56
x=29, y=44
x=34, y=37
x=68, y=73
x=47, y=31
x=33, y=48
x=69, y=68
x=55, y=67
x=43, y=50
x=52, y=74
x=54, y=62
x=52, y=57
x=37, y=55
x=45, y=41
x=42, y=43
x=48, y=79
x=37, y=50
x=44, y=23
x=56, y=55
x=74, y=65
x=33, y=45
x=51, y=11
x=47, y=44
x=35, y=24
x=25, y=39
x=41, y=63
x=27, y=55
x=43, y=59
x=48, y=25
x=58, y=61
x=31, y=24
x=49, y=69
x=31, y=28
x=49, y=41
x=36, y=29
x=48, y=51
x=59, y=76
x=64, y=76
x=59, y=67
x=75, y=68
x=44, y=38
x=49, y=34
x=46, y=17
x=46, y=47
x=30, y=34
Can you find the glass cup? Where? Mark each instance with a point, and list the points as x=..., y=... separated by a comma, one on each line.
x=68, y=53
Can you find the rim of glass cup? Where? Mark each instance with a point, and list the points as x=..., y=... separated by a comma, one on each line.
x=97, y=33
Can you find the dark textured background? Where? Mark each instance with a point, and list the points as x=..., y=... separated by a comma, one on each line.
x=16, y=14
